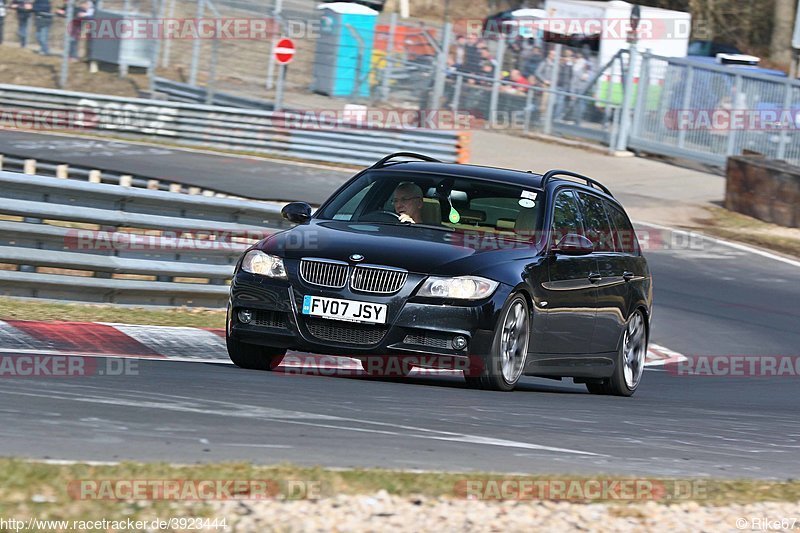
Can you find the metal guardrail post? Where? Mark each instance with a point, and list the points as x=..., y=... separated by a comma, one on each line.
x=441, y=67
x=457, y=94
x=212, y=72
x=388, y=69
x=276, y=13
x=528, y=109
x=737, y=90
x=787, y=104
x=627, y=99
x=196, y=47
x=687, y=94
x=551, y=92
x=496, y=77
x=62, y=80
x=168, y=42
x=614, y=134
x=642, y=95
x=158, y=11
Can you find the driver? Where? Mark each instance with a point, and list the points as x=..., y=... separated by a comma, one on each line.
x=407, y=199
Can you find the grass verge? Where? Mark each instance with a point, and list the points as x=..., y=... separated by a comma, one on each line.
x=70, y=491
x=734, y=226
x=21, y=309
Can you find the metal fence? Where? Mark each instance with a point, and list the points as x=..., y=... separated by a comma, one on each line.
x=287, y=134
x=707, y=113
x=105, y=243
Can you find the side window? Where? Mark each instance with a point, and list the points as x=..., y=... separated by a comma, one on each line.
x=624, y=236
x=598, y=229
x=566, y=217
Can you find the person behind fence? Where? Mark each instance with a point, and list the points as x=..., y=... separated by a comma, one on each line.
x=542, y=76
x=43, y=20
x=472, y=56
x=83, y=13
x=582, y=74
x=564, y=83
x=520, y=81
x=23, y=9
x=530, y=59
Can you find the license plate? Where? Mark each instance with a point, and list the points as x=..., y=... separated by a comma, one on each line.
x=348, y=310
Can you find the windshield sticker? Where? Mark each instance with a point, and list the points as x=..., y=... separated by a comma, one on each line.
x=524, y=202
x=528, y=194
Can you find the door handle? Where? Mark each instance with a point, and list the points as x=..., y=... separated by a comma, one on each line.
x=594, y=278
x=627, y=275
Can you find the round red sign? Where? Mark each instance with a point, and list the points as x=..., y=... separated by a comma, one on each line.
x=284, y=51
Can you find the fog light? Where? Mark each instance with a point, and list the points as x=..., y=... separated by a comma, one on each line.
x=245, y=316
x=459, y=342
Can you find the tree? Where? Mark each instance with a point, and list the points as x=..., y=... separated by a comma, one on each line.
x=780, y=47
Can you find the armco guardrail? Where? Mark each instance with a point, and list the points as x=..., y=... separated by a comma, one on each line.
x=183, y=92
x=106, y=243
x=235, y=128
x=50, y=168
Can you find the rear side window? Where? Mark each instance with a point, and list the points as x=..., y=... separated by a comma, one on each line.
x=566, y=216
x=595, y=221
x=624, y=236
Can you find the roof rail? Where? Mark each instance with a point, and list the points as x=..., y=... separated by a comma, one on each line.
x=382, y=162
x=589, y=181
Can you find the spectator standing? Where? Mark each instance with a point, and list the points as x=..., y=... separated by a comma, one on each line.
x=23, y=9
x=82, y=14
x=43, y=21
x=542, y=76
x=564, y=82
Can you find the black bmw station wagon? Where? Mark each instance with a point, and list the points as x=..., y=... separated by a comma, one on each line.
x=525, y=274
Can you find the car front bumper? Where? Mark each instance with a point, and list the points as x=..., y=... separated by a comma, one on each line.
x=414, y=326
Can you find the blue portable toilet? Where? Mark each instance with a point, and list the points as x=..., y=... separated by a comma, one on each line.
x=344, y=49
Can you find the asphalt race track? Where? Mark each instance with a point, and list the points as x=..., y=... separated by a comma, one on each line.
x=710, y=299
x=237, y=175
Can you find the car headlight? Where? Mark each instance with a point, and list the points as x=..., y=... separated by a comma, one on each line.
x=257, y=262
x=460, y=288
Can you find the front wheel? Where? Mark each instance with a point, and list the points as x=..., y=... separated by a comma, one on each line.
x=254, y=357
x=630, y=360
x=502, y=368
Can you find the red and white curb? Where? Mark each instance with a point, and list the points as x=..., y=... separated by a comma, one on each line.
x=101, y=339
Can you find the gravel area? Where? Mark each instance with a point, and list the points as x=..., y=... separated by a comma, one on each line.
x=384, y=512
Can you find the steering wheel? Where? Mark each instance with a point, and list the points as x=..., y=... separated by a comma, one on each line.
x=380, y=216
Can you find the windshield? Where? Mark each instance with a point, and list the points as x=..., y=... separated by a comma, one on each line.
x=430, y=200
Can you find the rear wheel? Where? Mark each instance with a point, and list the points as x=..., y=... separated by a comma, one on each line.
x=630, y=360
x=503, y=366
x=254, y=357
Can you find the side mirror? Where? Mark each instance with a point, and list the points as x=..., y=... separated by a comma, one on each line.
x=297, y=212
x=573, y=244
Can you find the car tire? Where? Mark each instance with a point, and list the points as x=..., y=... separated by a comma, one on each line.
x=251, y=356
x=254, y=357
x=502, y=368
x=629, y=367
